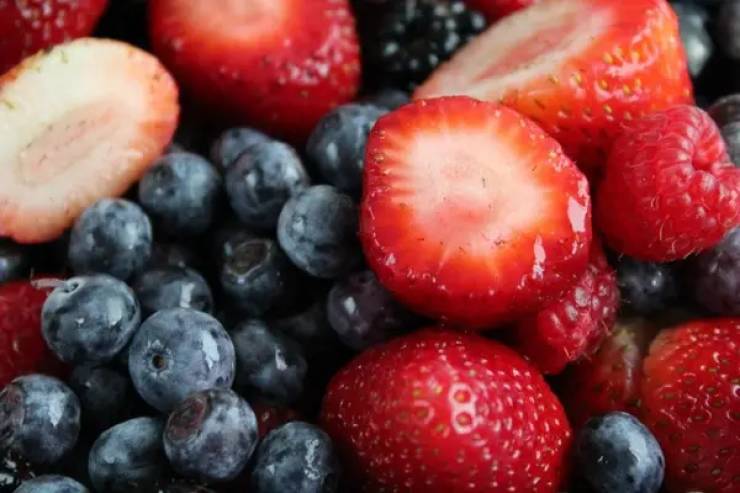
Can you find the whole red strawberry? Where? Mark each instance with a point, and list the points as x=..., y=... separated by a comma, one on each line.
x=22, y=347
x=575, y=325
x=28, y=26
x=496, y=9
x=669, y=188
x=608, y=380
x=440, y=411
x=279, y=65
x=691, y=403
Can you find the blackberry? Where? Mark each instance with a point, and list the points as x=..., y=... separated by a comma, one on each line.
x=415, y=36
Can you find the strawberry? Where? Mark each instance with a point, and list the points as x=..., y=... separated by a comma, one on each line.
x=470, y=213
x=575, y=325
x=496, y=9
x=609, y=380
x=279, y=65
x=28, y=26
x=439, y=411
x=577, y=67
x=669, y=188
x=86, y=119
x=22, y=347
x=691, y=402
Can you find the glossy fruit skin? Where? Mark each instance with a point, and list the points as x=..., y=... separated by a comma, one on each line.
x=440, y=411
x=690, y=402
x=14, y=261
x=697, y=43
x=32, y=25
x=232, y=143
x=669, y=189
x=166, y=287
x=105, y=396
x=631, y=69
x=715, y=276
x=281, y=83
x=574, y=326
x=22, y=346
x=496, y=9
x=647, y=287
x=52, y=483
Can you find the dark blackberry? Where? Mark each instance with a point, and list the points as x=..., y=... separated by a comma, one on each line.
x=417, y=35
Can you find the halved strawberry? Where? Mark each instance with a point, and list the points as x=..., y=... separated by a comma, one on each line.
x=496, y=9
x=578, y=67
x=470, y=212
x=279, y=65
x=79, y=122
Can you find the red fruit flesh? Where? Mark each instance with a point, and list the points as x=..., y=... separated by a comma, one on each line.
x=28, y=26
x=608, y=380
x=496, y=9
x=691, y=403
x=579, y=68
x=576, y=324
x=279, y=65
x=86, y=120
x=440, y=411
x=22, y=347
x=470, y=213
x=669, y=189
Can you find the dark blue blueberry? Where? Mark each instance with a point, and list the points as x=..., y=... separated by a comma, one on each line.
x=646, y=288
x=211, y=435
x=696, y=40
x=309, y=327
x=232, y=143
x=181, y=193
x=14, y=261
x=181, y=486
x=257, y=276
x=226, y=239
x=105, y=396
x=39, y=418
x=725, y=110
x=179, y=351
x=172, y=287
x=727, y=32
x=128, y=457
x=172, y=254
x=51, y=483
x=318, y=232
x=268, y=363
x=389, y=99
x=615, y=453
x=113, y=236
x=89, y=319
x=716, y=276
x=337, y=144
x=261, y=180
x=296, y=458
x=731, y=135
x=363, y=313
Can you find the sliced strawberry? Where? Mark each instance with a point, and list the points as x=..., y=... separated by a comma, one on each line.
x=575, y=325
x=279, y=65
x=28, y=26
x=82, y=121
x=691, y=402
x=496, y=9
x=610, y=379
x=470, y=213
x=578, y=67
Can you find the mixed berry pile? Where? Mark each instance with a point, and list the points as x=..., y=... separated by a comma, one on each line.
x=382, y=246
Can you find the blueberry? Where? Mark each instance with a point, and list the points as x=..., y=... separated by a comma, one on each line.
x=296, y=458
x=232, y=143
x=89, y=319
x=39, y=418
x=14, y=261
x=725, y=110
x=646, y=288
x=363, y=313
x=181, y=193
x=389, y=99
x=128, y=457
x=309, y=327
x=257, y=276
x=716, y=276
x=14, y=470
x=731, y=135
x=113, y=236
x=51, y=483
x=172, y=287
x=615, y=453
x=105, y=396
x=211, y=435
x=337, y=144
x=179, y=351
x=184, y=487
x=268, y=362
x=318, y=231
x=261, y=180
x=728, y=28
x=696, y=40
x=172, y=254
x=226, y=239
